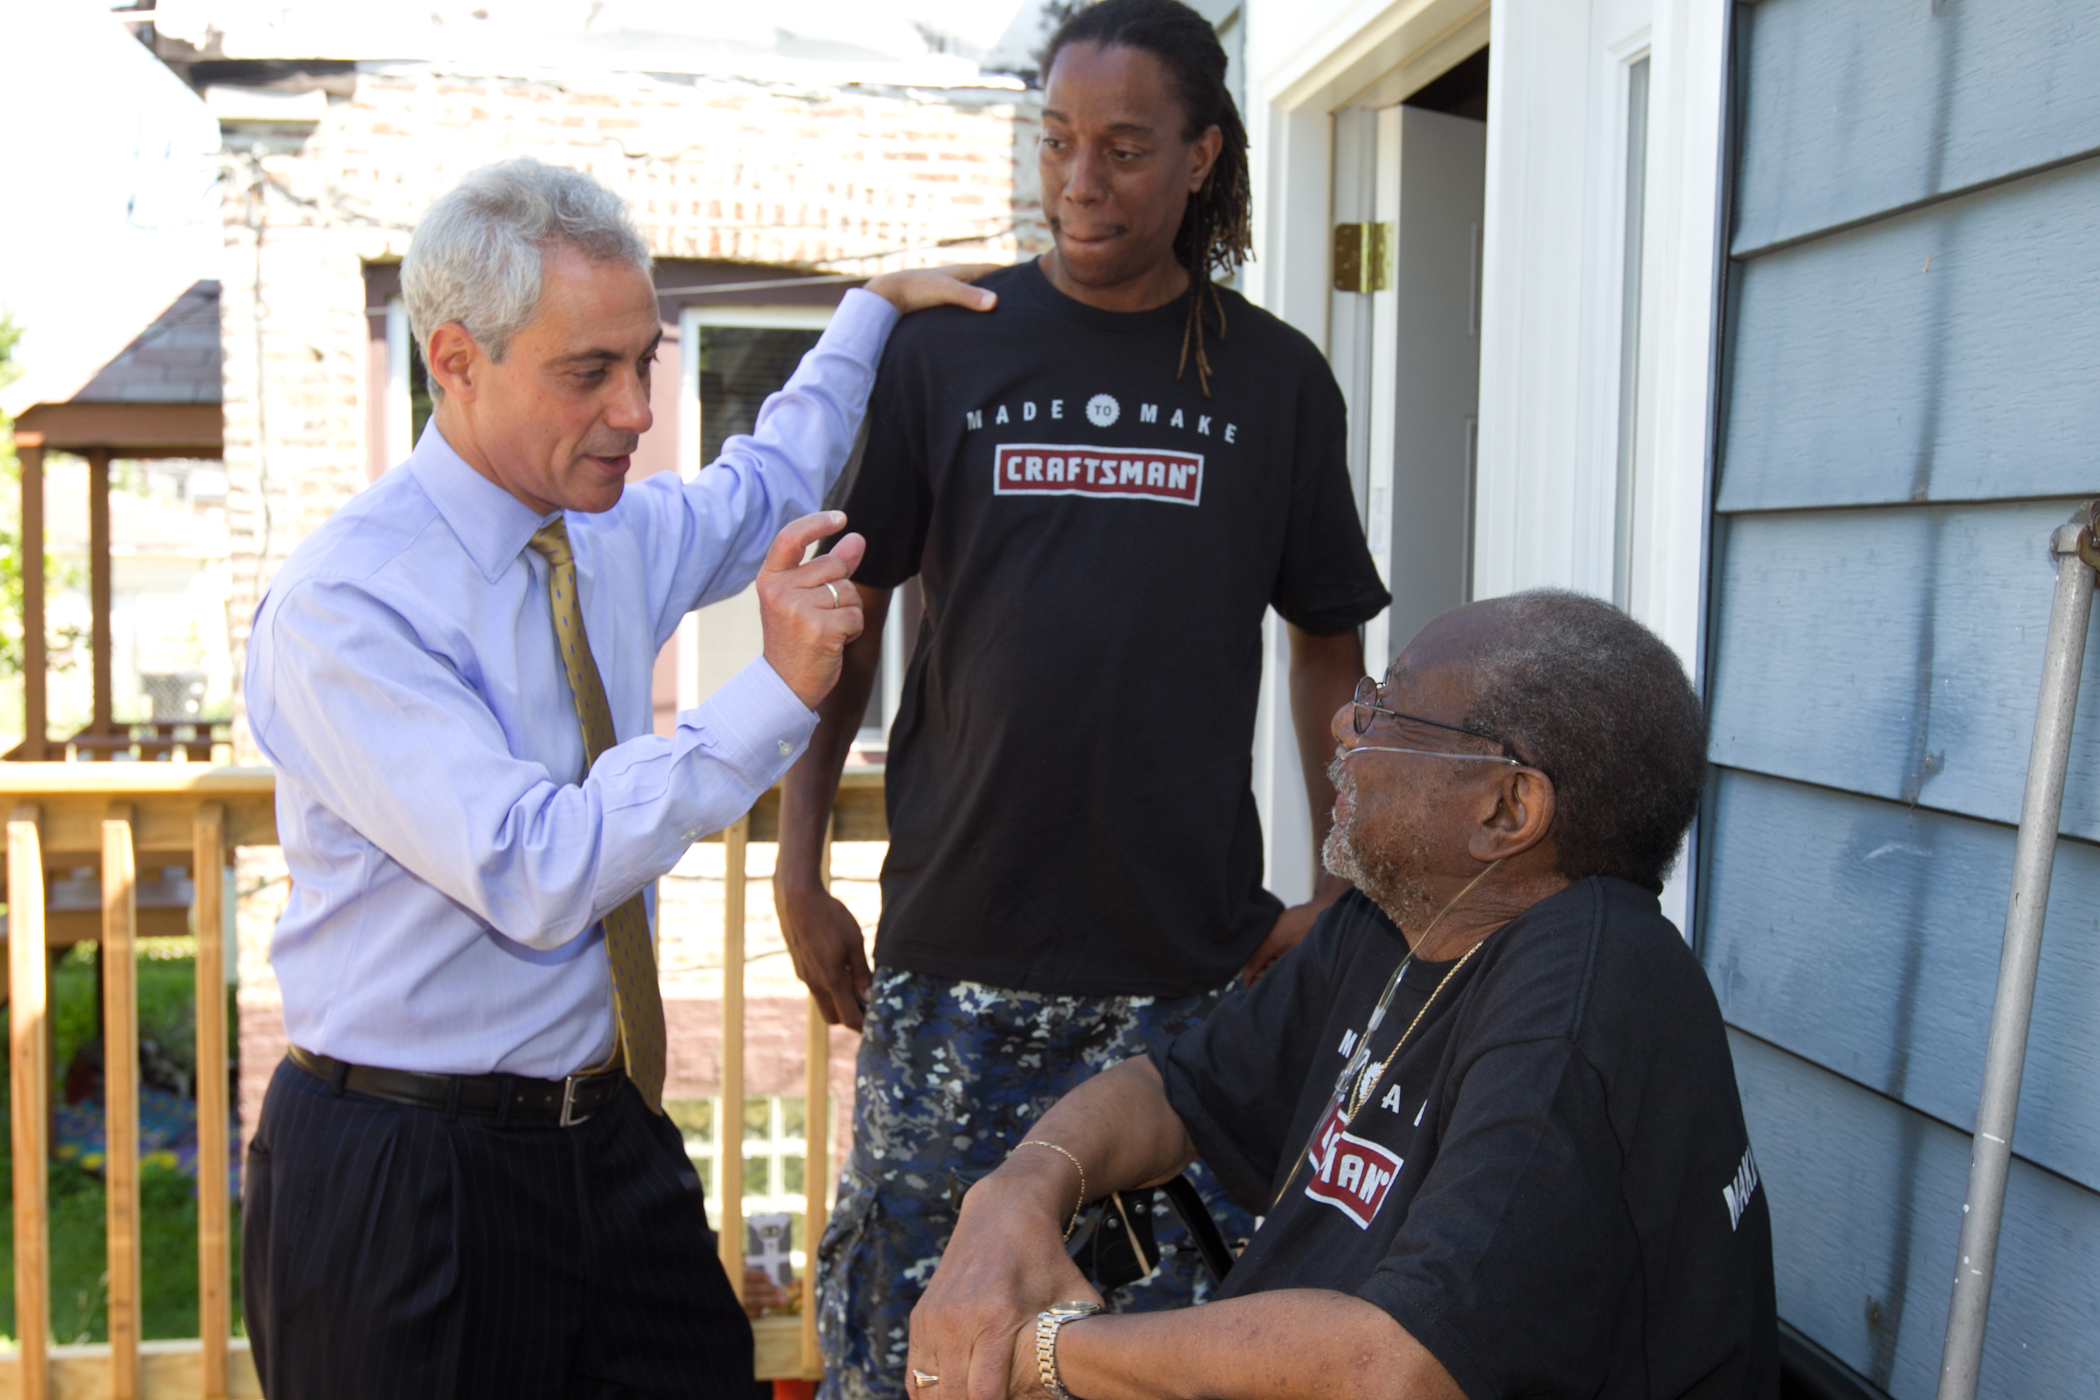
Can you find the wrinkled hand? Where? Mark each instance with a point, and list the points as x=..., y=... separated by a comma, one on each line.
x=1025, y=1374
x=936, y=286
x=976, y=1323
x=806, y=624
x=830, y=954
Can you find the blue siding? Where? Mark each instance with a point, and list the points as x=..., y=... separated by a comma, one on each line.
x=1853, y=108
x=1910, y=405
x=1946, y=354
x=1895, y=652
x=1864, y=1195
x=1865, y=934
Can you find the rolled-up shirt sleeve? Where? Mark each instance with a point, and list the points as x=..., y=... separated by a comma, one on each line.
x=376, y=728
x=1234, y=1076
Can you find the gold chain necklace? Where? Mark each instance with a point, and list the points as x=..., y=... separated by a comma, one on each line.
x=1367, y=1079
x=1355, y=1086
x=1367, y=1082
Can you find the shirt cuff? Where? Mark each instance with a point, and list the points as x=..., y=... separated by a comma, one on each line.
x=755, y=724
x=862, y=325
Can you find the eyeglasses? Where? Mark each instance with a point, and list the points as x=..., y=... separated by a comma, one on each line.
x=1369, y=692
x=1433, y=753
x=1367, y=708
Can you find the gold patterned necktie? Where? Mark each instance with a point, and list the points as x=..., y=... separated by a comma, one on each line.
x=638, y=1008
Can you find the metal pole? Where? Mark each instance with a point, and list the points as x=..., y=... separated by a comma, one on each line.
x=2034, y=854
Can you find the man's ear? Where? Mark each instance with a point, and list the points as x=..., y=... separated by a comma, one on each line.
x=1522, y=816
x=1207, y=147
x=453, y=358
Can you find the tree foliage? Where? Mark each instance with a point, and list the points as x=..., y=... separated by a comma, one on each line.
x=11, y=534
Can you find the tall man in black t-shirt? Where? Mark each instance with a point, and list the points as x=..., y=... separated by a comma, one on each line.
x=1487, y=1107
x=1102, y=489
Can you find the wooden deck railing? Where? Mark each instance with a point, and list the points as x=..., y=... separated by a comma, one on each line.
x=64, y=815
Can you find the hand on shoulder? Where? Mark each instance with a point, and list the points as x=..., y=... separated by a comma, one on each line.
x=936, y=286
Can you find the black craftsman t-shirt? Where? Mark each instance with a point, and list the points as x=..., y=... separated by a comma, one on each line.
x=1070, y=800
x=1551, y=1187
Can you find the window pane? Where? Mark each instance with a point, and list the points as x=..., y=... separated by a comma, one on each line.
x=790, y=1175
x=758, y=1120
x=739, y=366
x=695, y=1118
x=791, y=1115
x=757, y=1175
x=1630, y=328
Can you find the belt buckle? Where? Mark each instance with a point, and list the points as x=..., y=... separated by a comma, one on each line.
x=568, y=1103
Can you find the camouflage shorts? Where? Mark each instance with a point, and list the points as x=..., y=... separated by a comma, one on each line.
x=951, y=1075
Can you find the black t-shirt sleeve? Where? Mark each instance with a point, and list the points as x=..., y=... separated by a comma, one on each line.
x=1517, y=1252
x=1327, y=583
x=1235, y=1077
x=891, y=499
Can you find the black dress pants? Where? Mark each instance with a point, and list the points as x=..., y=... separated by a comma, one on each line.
x=391, y=1252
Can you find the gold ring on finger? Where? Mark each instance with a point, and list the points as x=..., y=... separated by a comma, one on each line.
x=922, y=1379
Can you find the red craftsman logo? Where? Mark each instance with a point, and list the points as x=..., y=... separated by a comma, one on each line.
x=1350, y=1174
x=1039, y=469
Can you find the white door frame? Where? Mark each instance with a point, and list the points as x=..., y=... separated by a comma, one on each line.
x=1376, y=54
x=1527, y=531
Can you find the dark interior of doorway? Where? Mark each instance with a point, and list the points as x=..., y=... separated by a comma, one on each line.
x=1462, y=92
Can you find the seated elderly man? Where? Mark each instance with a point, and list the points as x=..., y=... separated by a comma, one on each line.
x=1487, y=1107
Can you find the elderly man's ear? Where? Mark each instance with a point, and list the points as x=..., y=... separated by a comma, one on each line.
x=1522, y=819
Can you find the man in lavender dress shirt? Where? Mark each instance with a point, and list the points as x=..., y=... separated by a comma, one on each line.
x=462, y=1182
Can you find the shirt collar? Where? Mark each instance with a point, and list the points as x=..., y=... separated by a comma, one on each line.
x=494, y=525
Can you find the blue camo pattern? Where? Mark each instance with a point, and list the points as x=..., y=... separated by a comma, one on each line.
x=950, y=1076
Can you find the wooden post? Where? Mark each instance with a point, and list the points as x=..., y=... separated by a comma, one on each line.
x=99, y=583
x=120, y=1095
x=816, y=1151
x=29, y=1082
x=29, y=451
x=729, y=1123
x=214, y=1269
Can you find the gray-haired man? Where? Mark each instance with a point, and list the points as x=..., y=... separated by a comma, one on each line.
x=1487, y=1107
x=462, y=1183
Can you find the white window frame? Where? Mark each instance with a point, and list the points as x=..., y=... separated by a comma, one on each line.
x=793, y=318
x=1621, y=546
x=776, y=1146
x=400, y=407
x=690, y=320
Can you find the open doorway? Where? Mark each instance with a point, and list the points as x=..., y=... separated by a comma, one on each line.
x=1404, y=336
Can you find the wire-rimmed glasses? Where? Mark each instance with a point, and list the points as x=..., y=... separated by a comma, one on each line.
x=1367, y=708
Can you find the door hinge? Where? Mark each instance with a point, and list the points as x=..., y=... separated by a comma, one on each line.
x=1363, y=256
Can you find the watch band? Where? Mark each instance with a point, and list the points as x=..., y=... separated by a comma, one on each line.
x=1047, y=1324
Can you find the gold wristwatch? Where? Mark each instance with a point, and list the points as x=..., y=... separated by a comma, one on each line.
x=1046, y=1324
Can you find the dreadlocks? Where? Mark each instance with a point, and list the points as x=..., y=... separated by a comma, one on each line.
x=1216, y=233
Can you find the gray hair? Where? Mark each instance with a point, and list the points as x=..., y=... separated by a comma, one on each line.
x=1581, y=691
x=476, y=256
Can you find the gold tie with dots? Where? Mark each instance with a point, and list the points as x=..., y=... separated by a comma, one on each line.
x=638, y=1008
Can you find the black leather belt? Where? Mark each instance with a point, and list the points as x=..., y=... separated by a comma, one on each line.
x=564, y=1102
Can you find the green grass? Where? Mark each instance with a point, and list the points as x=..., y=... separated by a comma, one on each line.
x=168, y=1200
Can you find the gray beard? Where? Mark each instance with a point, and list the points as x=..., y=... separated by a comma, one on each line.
x=1378, y=869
